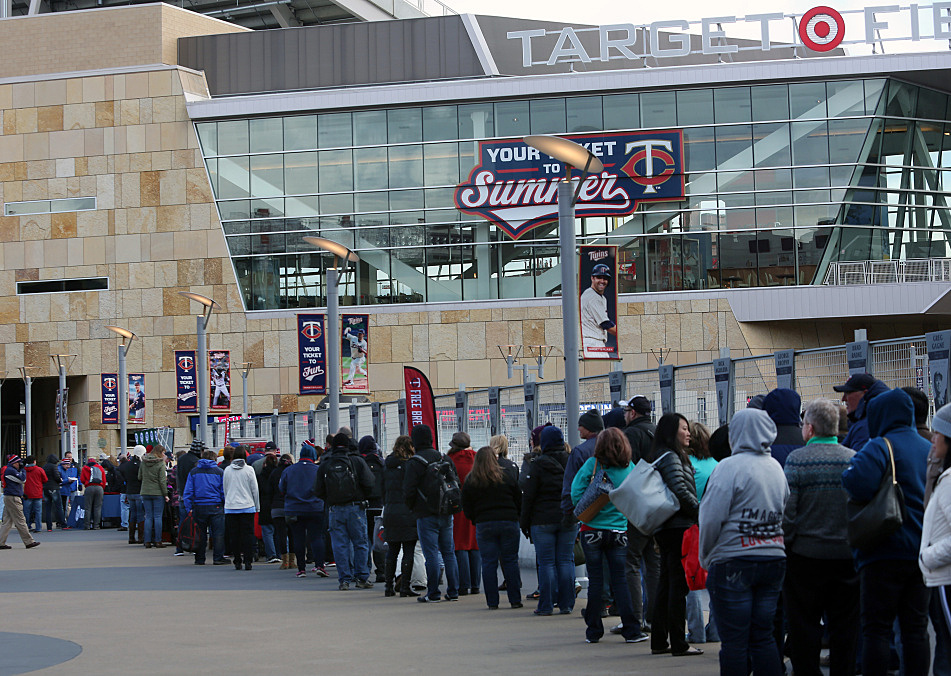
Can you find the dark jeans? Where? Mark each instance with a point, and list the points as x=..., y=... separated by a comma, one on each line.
x=891, y=589
x=53, y=509
x=280, y=536
x=308, y=530
x=435, y=537
x=208, y=516
x=498, y=542
x=469, y=562
x=377, y=559
x=670, y=609
x=240, y=528
x=640, y=549
x=815, y=588
x=406, y=569
x=610, y=547
x=941, y=619
x=744, y=592
x=555, y=554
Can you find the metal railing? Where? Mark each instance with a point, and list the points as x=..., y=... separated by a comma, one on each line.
x=851, y=273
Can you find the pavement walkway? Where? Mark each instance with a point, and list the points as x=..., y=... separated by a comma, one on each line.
x=89, y=603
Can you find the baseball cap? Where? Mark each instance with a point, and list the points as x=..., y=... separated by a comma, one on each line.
x=270, y=446
x=601, y=270
x=857, y=383
x=103, y=456
x=639, y=404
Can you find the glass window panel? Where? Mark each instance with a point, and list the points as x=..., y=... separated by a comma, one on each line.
x=300, y=132
x=334, y=130
x=336, y=204
x=440, y=198
x=233, y=137
x=267, y=175
x=873, y=95
x=773, y=179
x=810, y=142
x=773, y=198
x=300, y=173
x=267, y=135
x=212, y=167
x=901, y=99
x=732, y=104
x=621, y=111
x=405, y=125
x=269, y=208
x=239, y=246
x=584, y=114
x=405, y=166
x=269, y=243
x=658, y=109
x=237, y=209
x=440, y=164
x=811, y=177
x=371, y=201
x=846, y=138
x=234, y=177
x=807, y=100
x=476, y=121
x=370, y=169
x=699, y=148
x=695, y=106
x=305, y=205
x=845, y=98
x=511, y=118
x=548, y=116
x=771, y=145
x=369, y=127
x=735, y=181
x=770, y=102
x=932, y=105
x=440, y=123
x=406, y=199
x=237, y=227
x=335, y=170
x=208, y=137
x=734, y=147
x=72, y=204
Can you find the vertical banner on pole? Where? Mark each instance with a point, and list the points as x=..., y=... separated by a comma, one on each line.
x=857, y=355
x=665, y=373
x=495, y=412
x=530, y=393
x=110, y=399
x=136, y=398
x=354, y=422
x=420, y=404
x=219, y=368
x=939, y=344
x=74, y=438
x=616, y=383
x=311, y=355
x=401, y=412
x=785, y=369
x=186, y=382
x=354, y=353
x=375, y=418
x=723, y=379
x=462, y=411
x=597, y=298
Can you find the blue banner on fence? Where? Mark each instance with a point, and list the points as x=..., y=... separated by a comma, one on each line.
x=186, y=400
x=110, y=399
x=312, y=354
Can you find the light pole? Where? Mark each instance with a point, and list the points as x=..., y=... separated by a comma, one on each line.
x=572, y=155
x=333, y=325
x=245, y=370
x=202, y=366
x=28, y=406
x=61, y=365
x=123, y=395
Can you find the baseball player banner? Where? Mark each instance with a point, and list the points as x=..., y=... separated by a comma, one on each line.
x=597, y=281
x=420, y=404
x=939, y=345
x=110, y=399
x=354, y=352
x=137, y=398
x=219, y=366
x=311, y=354
x=186, y=400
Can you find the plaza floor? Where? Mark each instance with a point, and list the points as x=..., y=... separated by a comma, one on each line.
x=88, y=603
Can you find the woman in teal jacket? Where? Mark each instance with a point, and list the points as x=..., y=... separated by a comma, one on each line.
x=604, y=538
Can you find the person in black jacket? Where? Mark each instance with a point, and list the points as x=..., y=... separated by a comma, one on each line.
x=399, y=524
x=265, y=520
x=283, y=540
x=133, y=485
x=670, y=609
x=434, y=530
x=492, y=500
x=51, y=502
x=370, y=453
x=543, y=518
x=345, y=482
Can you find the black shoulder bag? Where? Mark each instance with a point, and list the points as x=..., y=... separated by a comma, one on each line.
x=873, y=522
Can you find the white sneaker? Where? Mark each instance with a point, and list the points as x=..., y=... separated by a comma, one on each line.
x=273, y=560
x=179, y=553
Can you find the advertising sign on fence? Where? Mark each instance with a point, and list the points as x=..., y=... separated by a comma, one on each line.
x=354, y=353
x=723, y=379
x=311, y=354
x=137, y=398
x=420, y=404
x=857, y=356
x=939, y=344
x=597, y=281
x=666, y=374
x=186, y=400
x=110, y=399
x=786, y=369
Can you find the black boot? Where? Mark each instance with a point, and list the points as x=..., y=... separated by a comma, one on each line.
x=406, y=573
x=389, y=574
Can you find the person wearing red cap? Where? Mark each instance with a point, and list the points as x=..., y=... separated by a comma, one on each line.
x=14, y=477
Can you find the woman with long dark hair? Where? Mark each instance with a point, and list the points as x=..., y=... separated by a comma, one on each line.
x=399, y=522
x=492, y=500
x=283, y=541
x=604, y=538
x=669, y=453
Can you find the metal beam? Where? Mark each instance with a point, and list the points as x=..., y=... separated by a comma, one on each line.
x=284, y=16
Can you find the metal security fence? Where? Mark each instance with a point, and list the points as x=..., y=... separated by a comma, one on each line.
x=514, y=410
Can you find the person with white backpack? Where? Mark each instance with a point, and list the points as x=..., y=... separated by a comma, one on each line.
x=93, y=478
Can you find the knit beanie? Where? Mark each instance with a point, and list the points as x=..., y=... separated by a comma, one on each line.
x=941, y=422
x=307, y=450
x=460, y=441
x=422, y=437
x=551, y=437
x=138, y=450
x=591, y=421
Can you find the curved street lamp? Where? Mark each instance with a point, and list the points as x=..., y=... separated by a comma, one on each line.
x=126, y=335
x=201, y=367
x=333, y=321
x=579, y=157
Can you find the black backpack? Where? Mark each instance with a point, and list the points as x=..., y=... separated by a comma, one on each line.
x=439, y=487
x=340, y=481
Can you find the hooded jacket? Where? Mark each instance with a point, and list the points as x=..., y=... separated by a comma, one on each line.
x=413, y=477
x=53, y=478
x=858, y=420
x=240, y=485
x=783, y=406
x=186, y=464
x=463, y=529
x=204, y=486
x=891, y=415
x=542, y=486
x=742, y=509
x=640, y=434
x=368, y=451
x=153, y=475
x=35, y=479
x=363, y=477
x=297, y=485
x=399, y=521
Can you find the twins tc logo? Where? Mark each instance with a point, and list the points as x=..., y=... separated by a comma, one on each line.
x=651, y=165
x=186, y=363
x=415, y=383
x=311, y=330
x=109, y=383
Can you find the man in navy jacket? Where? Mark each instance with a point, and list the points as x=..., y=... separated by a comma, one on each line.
x=14, y=477
x=204, y=496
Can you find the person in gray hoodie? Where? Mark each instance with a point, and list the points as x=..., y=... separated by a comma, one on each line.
x=742, y=548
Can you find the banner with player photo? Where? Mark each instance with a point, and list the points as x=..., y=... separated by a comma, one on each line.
x=110, y=399
x=137, y=398
x=186, y=382
x=597, y=291
x=420, y=403
x=354, y=353
x=311, y=355
x=939, y=349
x=219, y=369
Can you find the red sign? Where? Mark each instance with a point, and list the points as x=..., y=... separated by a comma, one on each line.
x=420, y=405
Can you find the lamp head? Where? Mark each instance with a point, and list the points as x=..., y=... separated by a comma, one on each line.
x=336, y=248
x=125, y=333
x=198, y=298
x=566, y=151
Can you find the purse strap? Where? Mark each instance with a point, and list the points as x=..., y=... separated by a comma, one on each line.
x=595, y=472
x=891, y=455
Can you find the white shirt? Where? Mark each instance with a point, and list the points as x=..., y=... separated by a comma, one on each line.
x=594, y=311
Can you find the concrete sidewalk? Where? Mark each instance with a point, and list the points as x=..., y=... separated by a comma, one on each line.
x=89, y=603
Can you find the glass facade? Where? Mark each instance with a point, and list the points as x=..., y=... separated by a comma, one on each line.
x=781, y=181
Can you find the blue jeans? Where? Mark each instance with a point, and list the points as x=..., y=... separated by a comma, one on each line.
x=213, y=517
x=136, y=511
x=33, y=512
x=940, y=608
x=744, y=593
x=554, y=551
x=607, y=547
x=435, y=537
x=348, y=535
x=498, y=542
x=154, y=504
x=267, y=534
x=53, y=509
x=123, y=511
x=469, y=562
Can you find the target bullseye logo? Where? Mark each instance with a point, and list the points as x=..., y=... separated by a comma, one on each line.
x=821, y=29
